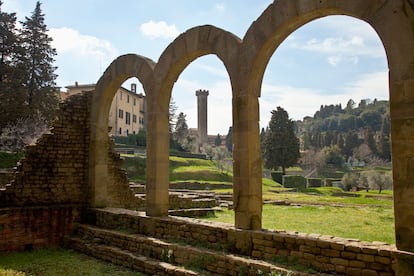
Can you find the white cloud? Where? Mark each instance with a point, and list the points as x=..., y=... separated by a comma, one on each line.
x=67, y=40
x=220, y=7
x=212, y=70
x=334, y=60
x=300, y=102
x=80, y=58
x=159, y=29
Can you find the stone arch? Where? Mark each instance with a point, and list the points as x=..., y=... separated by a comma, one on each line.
x=121, y=69
x=194, y=43
x=393, y=22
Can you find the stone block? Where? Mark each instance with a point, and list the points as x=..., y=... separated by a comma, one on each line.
x=366, y=257
x=339, y=261
x=358, y=264
x=383, y=260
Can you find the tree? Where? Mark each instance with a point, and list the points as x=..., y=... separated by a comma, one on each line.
x=351, y=142
x=217, y=142
x=39, y=78
x=229, y=140
x=369, y=140
x=219, y=156
x=25, y=131
x=384, y=143
x=281, y=143
x=181, y=129
x=350, y=180
x=171, y=116
x=12, y=99
x=379, y=180
x=333, y=156
x=262, y=138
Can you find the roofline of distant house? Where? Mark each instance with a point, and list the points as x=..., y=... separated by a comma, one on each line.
x=92, y=85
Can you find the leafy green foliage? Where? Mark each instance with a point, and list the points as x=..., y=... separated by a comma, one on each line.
x=294, y=181
x=27, y=78
x=9, y=159
x=281, y=144
x=332, y=125
x=229, y=140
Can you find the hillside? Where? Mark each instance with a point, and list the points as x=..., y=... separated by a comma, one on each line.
x=360, y=131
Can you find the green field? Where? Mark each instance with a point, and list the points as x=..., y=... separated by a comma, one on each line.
x=52, y=262
x=366, y=224
x=367, y=216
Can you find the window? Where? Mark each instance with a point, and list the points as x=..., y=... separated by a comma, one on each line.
x=120, y=130
x=127, y=98
x=127, y=132
x=134, y=118
x=127, y=118
x=120, y=113
x=135, y=101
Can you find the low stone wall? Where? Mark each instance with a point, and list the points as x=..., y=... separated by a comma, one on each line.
x=30, y=228
x=199, y=185
x=324, y=253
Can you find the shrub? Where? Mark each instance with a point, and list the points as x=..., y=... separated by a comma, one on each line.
x=294, y=181
x=314, y=182
x=188, y=154
x=277, y=176
x=9, y=159
x=329, y=181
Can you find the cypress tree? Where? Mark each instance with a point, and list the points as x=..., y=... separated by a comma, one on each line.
x=281, y=143
x=12, y=100
x=39, y=82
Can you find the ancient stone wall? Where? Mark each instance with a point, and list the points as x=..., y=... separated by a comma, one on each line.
x=54, y=170
x=35, y=227
x=324, y=253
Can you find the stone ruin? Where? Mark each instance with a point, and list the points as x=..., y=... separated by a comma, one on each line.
x=74, y=167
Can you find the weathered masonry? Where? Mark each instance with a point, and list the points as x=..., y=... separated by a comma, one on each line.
x=74, y=165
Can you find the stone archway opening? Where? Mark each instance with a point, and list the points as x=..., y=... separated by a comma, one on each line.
x=313, y=75
x=108, y=184
x=128, y=131
x=199, y=163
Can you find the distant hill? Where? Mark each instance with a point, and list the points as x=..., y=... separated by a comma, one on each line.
x=352, y=128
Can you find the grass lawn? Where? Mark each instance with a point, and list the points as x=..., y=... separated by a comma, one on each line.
x=367, y=224
x=52, y=262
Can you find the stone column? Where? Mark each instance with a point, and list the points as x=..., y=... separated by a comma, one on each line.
x=247, y=168
x=202, y=116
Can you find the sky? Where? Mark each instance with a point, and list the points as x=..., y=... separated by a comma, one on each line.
x=327, y=61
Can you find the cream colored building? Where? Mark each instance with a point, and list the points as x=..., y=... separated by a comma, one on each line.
x=127, y=113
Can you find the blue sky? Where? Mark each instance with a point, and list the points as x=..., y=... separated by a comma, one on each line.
x=327, y=61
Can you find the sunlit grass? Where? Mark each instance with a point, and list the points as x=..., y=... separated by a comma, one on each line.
x=366, y=224
x=52, y=262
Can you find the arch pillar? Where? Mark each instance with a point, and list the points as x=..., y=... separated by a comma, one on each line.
x=158, y=148
x=402, y=138
x=402, y=135
x=247, y=168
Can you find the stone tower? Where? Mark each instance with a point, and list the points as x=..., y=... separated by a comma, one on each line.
x=202, y=116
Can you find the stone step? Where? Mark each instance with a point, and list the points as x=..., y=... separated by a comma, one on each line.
x=128, y=259
x=194, y=212
x=197, y=258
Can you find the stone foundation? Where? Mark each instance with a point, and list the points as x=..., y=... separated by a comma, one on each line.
x=32, y=228
x=324, y=253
